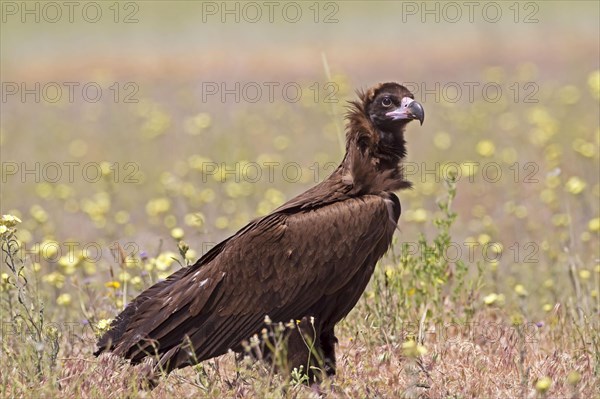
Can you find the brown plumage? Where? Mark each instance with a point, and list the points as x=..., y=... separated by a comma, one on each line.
x=310, y=258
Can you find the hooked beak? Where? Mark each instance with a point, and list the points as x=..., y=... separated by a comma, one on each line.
x=408, y=109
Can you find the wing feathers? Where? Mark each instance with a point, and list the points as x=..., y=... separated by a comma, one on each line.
x=279, y=266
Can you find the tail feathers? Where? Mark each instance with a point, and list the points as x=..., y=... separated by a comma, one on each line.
x=119, y=326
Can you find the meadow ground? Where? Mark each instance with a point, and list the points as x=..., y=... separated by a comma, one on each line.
x=491, y=288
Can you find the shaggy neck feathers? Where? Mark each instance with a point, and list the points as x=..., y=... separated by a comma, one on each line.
x=373, y=157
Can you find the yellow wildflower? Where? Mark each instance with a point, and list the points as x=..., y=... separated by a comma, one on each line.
x=584, y=274
x=575, y=185
x=9, y=220
x=64, y=299
x=486, y=148
x=112, y=284
x=543, y=384
x=412, y=349
x=177, y=233
x=573, y=377
x=520, y=290
x=594, y=225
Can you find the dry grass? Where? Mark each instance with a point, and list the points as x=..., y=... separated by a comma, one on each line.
x=487, y=359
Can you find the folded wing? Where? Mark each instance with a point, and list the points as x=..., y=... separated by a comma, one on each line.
x=279, y=265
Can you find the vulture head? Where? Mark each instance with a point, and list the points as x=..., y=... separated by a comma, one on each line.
x=391, y=106
x=377, y=122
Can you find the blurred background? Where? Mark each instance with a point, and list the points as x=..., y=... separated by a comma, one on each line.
x=145, y=123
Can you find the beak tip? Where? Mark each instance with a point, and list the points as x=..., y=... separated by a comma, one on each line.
x=418, y=111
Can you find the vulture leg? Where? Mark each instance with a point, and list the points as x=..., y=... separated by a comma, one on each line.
x=304, y=350
x=328, y=342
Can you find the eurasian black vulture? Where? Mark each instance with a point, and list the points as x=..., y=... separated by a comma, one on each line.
x=308, y=261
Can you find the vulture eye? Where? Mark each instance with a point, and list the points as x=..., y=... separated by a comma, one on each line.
x=386, y=102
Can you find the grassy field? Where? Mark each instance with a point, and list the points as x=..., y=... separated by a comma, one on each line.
x=130, y=148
